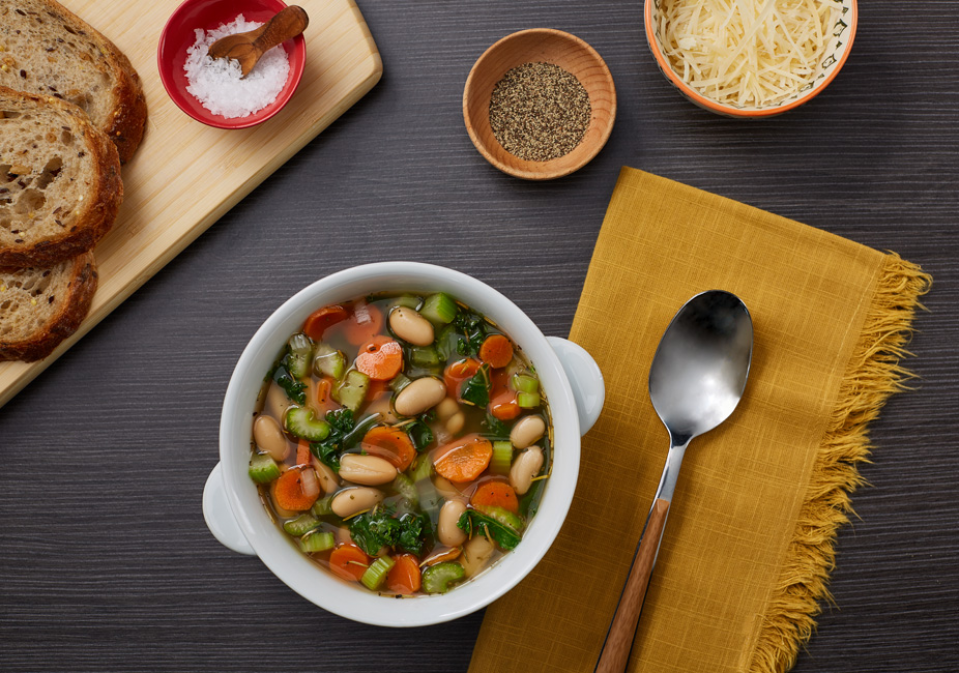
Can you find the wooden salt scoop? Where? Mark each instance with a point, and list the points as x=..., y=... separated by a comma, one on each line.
x=248, y=48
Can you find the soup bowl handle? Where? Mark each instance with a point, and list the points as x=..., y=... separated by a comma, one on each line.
x=219, y=515
x=585, y=378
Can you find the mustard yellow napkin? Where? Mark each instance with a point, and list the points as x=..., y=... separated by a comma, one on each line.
x=748, y=544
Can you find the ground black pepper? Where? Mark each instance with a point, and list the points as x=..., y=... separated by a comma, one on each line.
x=539, y=111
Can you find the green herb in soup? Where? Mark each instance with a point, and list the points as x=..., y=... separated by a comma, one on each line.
x=402, y=441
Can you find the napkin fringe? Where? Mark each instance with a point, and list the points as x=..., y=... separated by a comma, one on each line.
x=874, y=373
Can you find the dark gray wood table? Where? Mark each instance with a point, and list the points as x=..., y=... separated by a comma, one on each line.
x=105, y=561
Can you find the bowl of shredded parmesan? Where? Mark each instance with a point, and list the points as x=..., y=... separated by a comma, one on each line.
x=750, y=58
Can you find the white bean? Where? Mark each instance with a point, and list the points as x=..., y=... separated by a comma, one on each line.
x=328, y=479
x=527, y=431
x=476, y=554
x=366, y=470
x=411, y=327
x=419, y=396
x=447, y=408
x=524, y=468
x=349, y=501
x=446, y=489
x=455, y=422
x=276, y=401
x=446, y=529
x=269, y=436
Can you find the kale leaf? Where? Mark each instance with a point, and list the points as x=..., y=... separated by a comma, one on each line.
x=475, y=390
x=341, y=421
x=413, y=530
x=475, y=523
x=377, y=529
x=420, y=434
x=495, y=428
x=293, y=388
x=373, y=530
x=473, y=328
x=345, y=433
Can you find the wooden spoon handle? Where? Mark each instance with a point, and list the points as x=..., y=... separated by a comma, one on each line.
x=622, y=630
x=287, y=24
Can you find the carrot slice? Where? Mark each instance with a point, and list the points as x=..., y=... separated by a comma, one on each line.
x=464, y=459
x=381, y=358
x=504, y=406
x=405, y=577
x=496, y=351
x=503, y=403
x=280, y=511
x=440, y=557
x=365, y=324
x=303, y=453
x=324, y=396
x=393, y=445
x=288, y=492
x=496, y=494
x=318, y=321
x=349, y=562
x=457, y=373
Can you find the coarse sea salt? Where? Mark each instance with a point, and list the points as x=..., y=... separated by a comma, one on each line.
x=217, y=83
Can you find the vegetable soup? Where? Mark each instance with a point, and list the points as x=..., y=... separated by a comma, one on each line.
x=402, y=442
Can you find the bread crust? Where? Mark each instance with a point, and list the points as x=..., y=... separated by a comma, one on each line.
x=99, y=212
x=72, y=310
x=129, y=117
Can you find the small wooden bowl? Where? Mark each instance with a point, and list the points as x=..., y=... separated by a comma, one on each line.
x=543, y=45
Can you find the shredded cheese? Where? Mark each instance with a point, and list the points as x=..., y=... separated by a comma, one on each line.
x=746, y=53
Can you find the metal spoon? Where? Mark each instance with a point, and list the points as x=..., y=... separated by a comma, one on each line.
x=247, y=48
x=695, y=382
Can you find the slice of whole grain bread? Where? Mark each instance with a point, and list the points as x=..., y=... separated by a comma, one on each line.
x=41, y=307
x=60, y=185
x=47, y=50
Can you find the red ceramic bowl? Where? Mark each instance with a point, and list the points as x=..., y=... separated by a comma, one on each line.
x=178, y=36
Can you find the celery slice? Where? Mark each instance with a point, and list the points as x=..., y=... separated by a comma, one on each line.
x=425, y=356
x=298, y=360
x=437, y=579
x=502, y=457
x=524, y=383
x=302, y=423
x=406, y=301
x=400, y=382
x=351, y=392
x=322, y=507
x=301, y=525
x=439, y=308
x=504, y=516
x=375, y=575
x=263, y=469
x=317, y=541
x=528, y=400
x=327, y=361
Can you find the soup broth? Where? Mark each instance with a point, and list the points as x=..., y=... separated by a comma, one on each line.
x=402, y=442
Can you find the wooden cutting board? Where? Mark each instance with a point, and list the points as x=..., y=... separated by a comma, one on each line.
x=178, y=153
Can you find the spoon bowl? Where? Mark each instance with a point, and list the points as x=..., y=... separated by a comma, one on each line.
x=700, y=368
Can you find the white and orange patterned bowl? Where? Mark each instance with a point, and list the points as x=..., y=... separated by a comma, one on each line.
x=838, y=46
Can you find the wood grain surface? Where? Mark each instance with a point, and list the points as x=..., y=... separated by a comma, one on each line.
x=105, y=562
